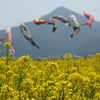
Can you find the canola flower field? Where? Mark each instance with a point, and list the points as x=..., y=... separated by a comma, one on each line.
x=63, y=78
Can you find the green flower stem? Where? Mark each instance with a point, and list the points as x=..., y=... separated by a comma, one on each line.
x=7, y=57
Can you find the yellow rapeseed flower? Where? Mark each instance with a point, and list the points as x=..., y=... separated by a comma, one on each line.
x=68, y=55
x=7, y=45
x=97, y=96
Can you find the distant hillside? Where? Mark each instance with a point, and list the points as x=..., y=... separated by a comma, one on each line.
x=91, y=47
x=58, y=43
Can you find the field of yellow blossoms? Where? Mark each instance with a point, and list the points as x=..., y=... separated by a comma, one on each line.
x=63, y=78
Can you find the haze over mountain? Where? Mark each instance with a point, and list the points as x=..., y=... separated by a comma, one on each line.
x=58, y=43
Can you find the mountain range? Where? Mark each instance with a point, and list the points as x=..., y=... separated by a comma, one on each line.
x=56, y=44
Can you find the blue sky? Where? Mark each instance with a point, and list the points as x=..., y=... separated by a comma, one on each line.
x=13, y=12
